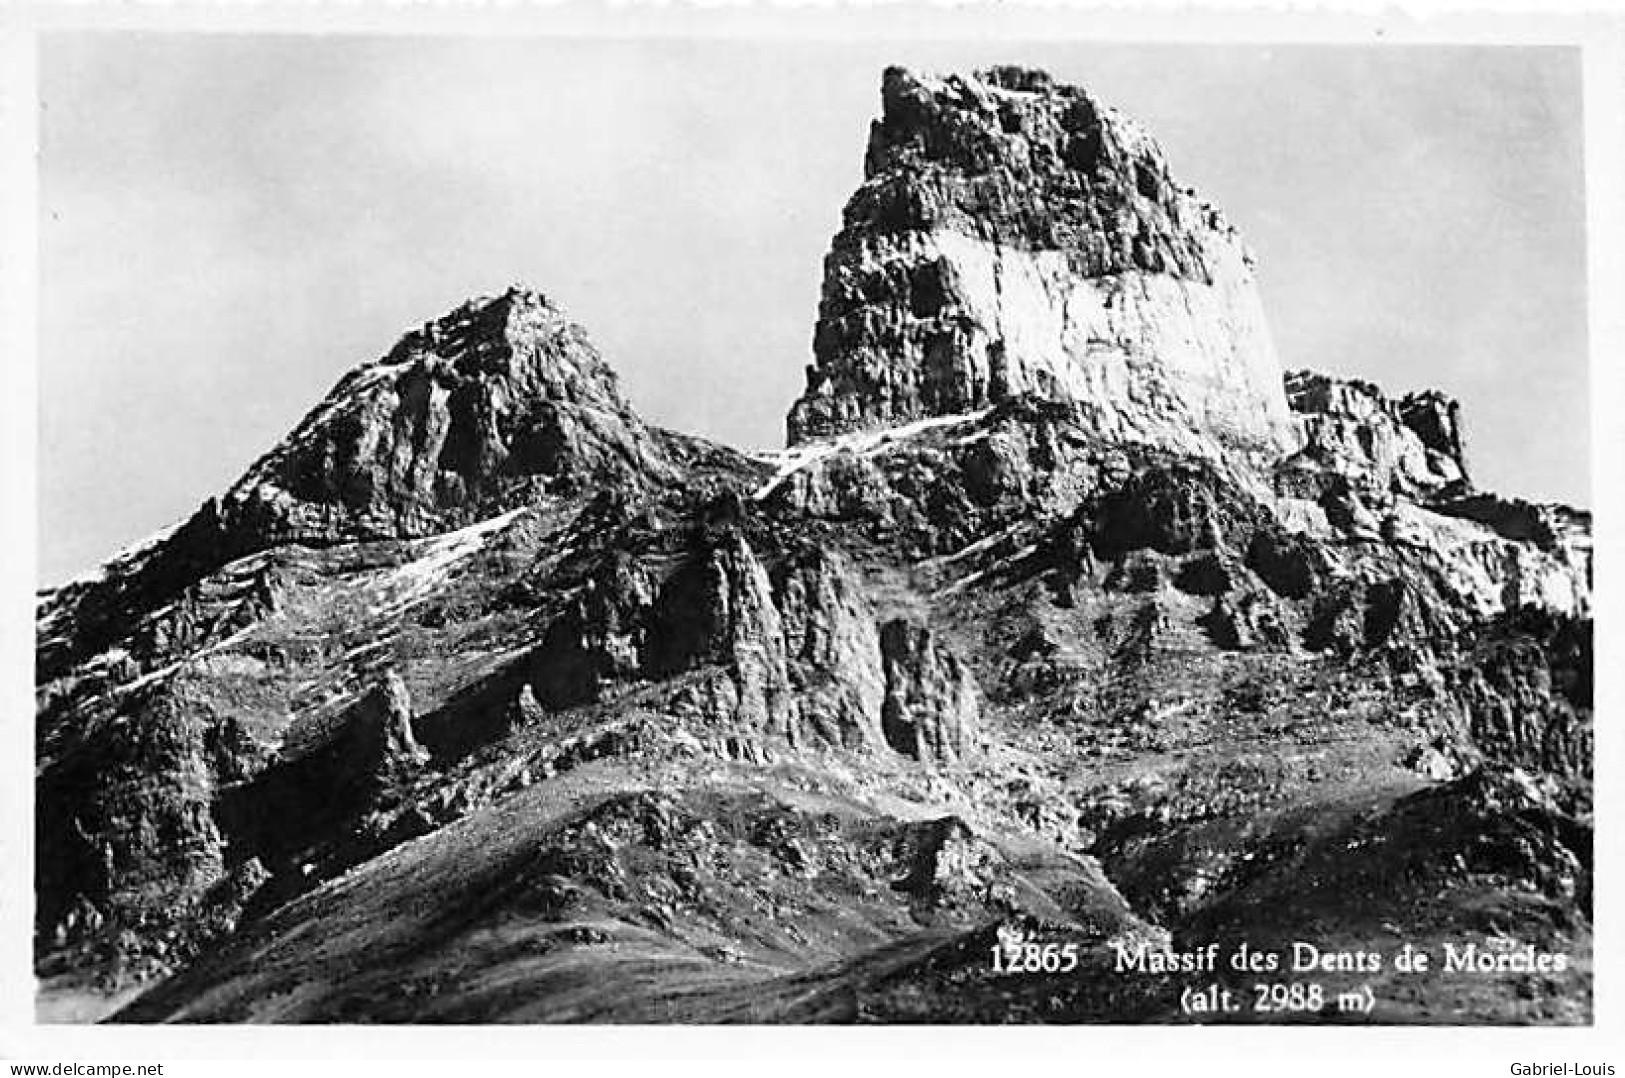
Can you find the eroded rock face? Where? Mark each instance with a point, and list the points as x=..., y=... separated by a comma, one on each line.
x=600, y=637
x=1556, y=540
x=948, y=864
x=1380, y=446
x=794, y=652
x=1014, y=236
x=1173, y=510
x=1526, y=686
x=131, y=823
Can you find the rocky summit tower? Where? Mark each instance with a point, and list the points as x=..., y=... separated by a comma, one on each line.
x=1015, y=236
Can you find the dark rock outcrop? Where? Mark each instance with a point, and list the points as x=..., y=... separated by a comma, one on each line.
x=1525, y=682
x=832, y=644
x=932, y=706
x=601, y=636
x=1173, y=510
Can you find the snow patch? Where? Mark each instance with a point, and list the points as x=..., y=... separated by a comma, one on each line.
x=413, y=581
x=977, y=547
x=967, y=581
x=861, y=443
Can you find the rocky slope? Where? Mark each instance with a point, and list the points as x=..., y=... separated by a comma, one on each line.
x=1065, y=617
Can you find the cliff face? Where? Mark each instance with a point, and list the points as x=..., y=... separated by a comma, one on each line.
x=1013, y=236
x=1064, y=618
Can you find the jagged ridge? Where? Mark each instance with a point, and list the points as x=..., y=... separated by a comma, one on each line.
x=1014, y=236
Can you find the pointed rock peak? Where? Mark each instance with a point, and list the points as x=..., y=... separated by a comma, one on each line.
x=464, y=418
x=467, y=417
x=1014, y=237
x=518, y=335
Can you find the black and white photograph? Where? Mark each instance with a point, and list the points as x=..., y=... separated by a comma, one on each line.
x=765, y=529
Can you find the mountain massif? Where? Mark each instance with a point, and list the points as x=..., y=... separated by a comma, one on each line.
x=1066, y=617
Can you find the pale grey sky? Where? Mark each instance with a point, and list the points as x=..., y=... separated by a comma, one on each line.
x=230, y=223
